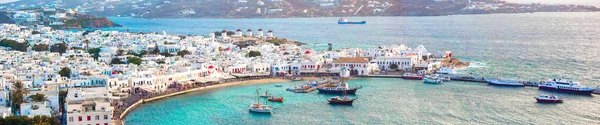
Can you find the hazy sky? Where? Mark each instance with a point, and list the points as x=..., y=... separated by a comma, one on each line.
x=582, y=2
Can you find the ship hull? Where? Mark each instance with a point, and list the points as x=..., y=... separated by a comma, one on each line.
x=566, y=90
x=341, y=102
x=548, y=101
x=412, y=77
x=504, y=84
x=362, y=22
x=349, y=91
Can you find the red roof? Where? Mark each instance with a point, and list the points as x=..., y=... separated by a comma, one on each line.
x=351, y=60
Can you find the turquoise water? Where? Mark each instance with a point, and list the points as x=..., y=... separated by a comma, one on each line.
x=531, y=46
x=381, y=101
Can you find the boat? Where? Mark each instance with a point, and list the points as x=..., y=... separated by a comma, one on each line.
x=342, y=101
x=409, y=76
x=296, y=79
x=597, y=91
x=260, y=108
x=544, y=98
x=501, y=82
x=467, y=78
x=432, y=80
x=568, y=86
x=266, y=95
x=275, y=99
x=446, y=70
x=278, y=85
x=345, y=21
x=444, y=78
x=342, y=88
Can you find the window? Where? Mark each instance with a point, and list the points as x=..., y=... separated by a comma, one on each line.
x=80, y=118
x=97, y=117
x=89, y=118
x=105, y=116
x=70, y=119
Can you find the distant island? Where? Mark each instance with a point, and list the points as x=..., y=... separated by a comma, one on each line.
x=55, y=18
x=293, y=8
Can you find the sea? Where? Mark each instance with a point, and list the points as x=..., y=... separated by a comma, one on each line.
x=526, y=46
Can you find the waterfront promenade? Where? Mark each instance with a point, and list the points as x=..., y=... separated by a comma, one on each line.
x=135, y=100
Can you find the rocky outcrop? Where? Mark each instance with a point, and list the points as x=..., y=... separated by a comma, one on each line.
x=89, y=22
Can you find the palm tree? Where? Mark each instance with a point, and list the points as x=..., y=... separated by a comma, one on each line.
x=38, y=97
x=43, y=120
x=17, y=92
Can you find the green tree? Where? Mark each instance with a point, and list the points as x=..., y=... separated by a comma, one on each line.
x=183, y=53
x=95, y=52
x=394, y=66
x=40, y=47
x=14, y=45
x=330, y=48
x=134, y=60
x=15, y=120
x=38, y=97
x=43, y=120
x=65, y=72
x=254, y=54
x=17, y=92
x=142, y=53
x=59, y=47
x=166, y=54
x=116, y=61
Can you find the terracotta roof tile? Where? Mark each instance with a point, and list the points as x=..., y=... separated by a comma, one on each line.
x=351, y=60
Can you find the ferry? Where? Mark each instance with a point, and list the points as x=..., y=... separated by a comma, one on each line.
x=568, y=86
x=502, y=82
x=345, y=21
x=432, y=80
x=446, y=70
x=544, y=98
x=409, y=76
x=442, y=77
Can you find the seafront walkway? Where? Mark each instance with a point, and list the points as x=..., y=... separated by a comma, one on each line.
x=125, y=106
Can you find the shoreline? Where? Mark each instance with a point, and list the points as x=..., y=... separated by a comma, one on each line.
x=212, y=87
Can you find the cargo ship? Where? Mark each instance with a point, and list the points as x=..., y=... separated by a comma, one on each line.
x=345, y=21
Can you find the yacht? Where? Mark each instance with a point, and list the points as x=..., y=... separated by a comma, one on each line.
x=569, y=86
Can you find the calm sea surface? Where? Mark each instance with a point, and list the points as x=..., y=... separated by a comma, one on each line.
x=531, y=46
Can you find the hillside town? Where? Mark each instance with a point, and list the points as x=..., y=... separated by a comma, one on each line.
x=90, y=77
x=292, y=8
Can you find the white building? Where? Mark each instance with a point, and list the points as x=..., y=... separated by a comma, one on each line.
x=88, y=106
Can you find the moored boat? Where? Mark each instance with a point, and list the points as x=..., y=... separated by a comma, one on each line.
x=275, y=99
x=597, y=91
x=446, y=70
x=410, y=76
x=278, y=85
x=266, y=94
x=341, y=100
x=501, y=82
x=544, y=98
x=467, y=78
x=568, y=86
x=432, y=80
x=260, y=108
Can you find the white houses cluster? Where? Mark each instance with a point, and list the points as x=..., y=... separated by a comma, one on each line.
x=94, y=84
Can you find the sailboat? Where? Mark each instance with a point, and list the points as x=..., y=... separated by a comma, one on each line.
x=345, y=100
x=260, y=108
